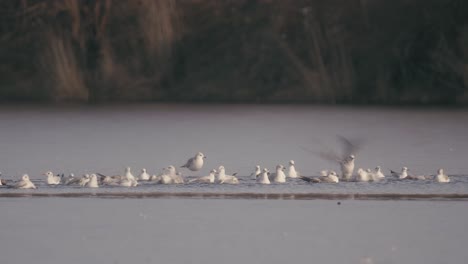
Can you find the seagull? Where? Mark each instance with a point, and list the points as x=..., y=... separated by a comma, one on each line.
x=24, y=183
x=441, y=177
x=346, y=160
x=377, y=174
x=223, y=178
x=128, y=179
x=51, y=178
x=402, y=175
x=256, y=173
x=144, y=176
x=331, y=177
x=263, y=177
x=195, y=163
x=84, y=180
x=93, y=182
x=279, y=175
x=292, y=173
x=2, y=182
x=205, y=179
x=128, y=175
x=170, y=176
x=362, y=176
x=71, y=179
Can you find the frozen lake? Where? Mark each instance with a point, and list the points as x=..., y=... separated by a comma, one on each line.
x=84, y=230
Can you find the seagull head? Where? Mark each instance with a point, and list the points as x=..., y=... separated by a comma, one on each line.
x=377, y=169
x=200, y=155
x=25, y=177
x=352, y=157
x=291, y=162
x=48, y=174
x=440, y=171
x=279, y=167
x=221, y=168
x=143, y=170
x=404, y=169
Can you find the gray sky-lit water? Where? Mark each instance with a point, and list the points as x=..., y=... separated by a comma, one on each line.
x=105, y=231
x=106, y=139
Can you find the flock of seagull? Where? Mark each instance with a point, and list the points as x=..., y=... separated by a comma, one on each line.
x=262, y=176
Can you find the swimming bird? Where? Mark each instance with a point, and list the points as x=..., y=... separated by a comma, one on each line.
x=195, y=163
x=362, y=176
x=71, y=179
x=279, y=175
x=256, y=173
x=144, y=176
x=377, y=174
x=93, y=182
x=441, y=177
x=24, y=183
x=331, y=177
x=84, y=180
x=402, y=175
x=2, y=182
x=223, y=178
x=51, y=178
x=292, y=173
x=205, y=179
x=263, y=177
x=170, y=176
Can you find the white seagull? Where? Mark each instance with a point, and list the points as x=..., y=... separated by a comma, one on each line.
x=170, y=176
x=144, y=176
x=363, y=176
x=205, y=179
x=292, y=173
x=263, y=177
x=24, y=183
x=279, y=175
x=51, y=178
x=195, y=163
x=377, y=175
x=402, y=175
x=331, y=177
x=93, y=182
x=223, y=178
x=441, y=176
x=256, y=173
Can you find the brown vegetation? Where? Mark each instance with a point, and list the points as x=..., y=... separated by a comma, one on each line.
x=338, y=51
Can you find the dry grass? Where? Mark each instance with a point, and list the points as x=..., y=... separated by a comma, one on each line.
x=60, y=65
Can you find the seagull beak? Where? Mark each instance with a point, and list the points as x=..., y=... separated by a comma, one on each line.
x=204, y=157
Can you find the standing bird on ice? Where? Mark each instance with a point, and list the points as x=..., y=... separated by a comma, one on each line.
x=195, y=163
